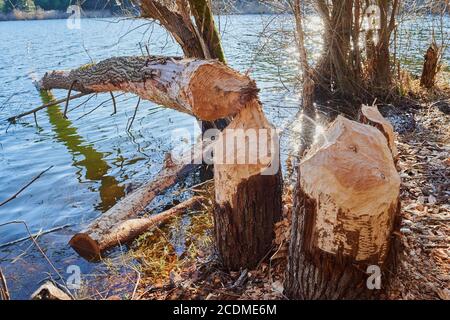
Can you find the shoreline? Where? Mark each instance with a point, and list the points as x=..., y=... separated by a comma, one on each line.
x=39, y=14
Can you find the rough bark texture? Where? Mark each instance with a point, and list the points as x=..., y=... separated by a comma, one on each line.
x=206, y=89
x=308, y=85
x=345, y=209
x=94, y=242
x=247, y=192
x=430, y=67
x=174, y=16
x=335, y=70
x=204, y=20
x=197, y=40
x=342, y=70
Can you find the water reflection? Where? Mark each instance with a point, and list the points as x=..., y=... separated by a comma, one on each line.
x=95, y=166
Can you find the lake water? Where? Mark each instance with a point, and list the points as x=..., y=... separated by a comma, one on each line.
x=95, y=160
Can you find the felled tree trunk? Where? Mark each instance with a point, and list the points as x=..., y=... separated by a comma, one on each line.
x=372, y=116
x=206, y=89
x=430, y=67
x=248, y=202
x=248, y=186
x=345, y=208
x=101, y=235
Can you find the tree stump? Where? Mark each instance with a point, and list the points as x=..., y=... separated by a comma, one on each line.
x=430, y=66
x=345, y=208
x=248, y=187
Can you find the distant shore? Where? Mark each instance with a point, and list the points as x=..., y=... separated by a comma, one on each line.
x=39, y=14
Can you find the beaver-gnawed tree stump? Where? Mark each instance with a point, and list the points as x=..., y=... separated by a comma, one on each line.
x=248, y=187
x=345, y=209
x=430, y=66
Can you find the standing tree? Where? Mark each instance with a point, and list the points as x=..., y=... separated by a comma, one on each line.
x=345, y=69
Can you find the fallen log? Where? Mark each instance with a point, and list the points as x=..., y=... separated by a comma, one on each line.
x=206, y=89
x=346, y=205
x=129, y=207
x=94, y=241
x=372, y=116
x=248, y=186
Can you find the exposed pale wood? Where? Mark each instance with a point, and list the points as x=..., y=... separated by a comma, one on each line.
x=372, y=116
x=247, y=193
x=206, y=89
x=92, y=244
x=48, y=291
x=346, y=205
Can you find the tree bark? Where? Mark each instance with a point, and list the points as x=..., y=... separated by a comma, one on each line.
x=206, y=89
x=345, y=208
x=103, y=235
x=174, y=16
x=430, y=67
x=308, y=84
x=248, y=187
x=335, y=71
x=197, y=40
x=204, y=20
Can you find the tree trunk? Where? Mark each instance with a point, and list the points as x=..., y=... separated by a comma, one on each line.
x=174, y=16
x=206, y=89
x=204, y=20
x=308, y=84
x=334, y=71
x=248, y=187
x=430, y=67
x=197, y=40
x=345, y=207
x=104, y=234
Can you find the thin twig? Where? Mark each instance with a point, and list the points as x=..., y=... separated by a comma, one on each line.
x=68, y=99
x=24, y=187
x=136, y=285
x=50, y=104
x=114, y=103
x=37, y=234
x=40, y=250
x=134, y=115
x=4, y=293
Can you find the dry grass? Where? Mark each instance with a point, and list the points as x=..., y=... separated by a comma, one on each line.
x=157, y=253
